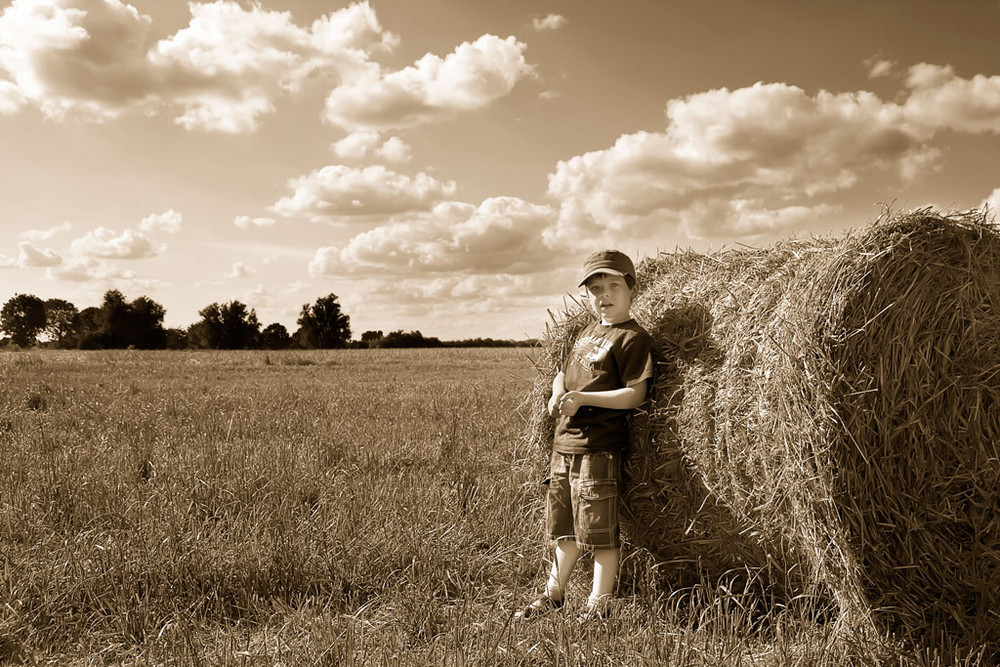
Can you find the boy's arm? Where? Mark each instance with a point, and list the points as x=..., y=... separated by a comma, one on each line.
x=625, y=398
x=558, y=391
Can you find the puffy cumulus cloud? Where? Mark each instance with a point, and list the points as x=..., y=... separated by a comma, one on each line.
x=550, y=22
x=245, y=221
x=170, y=222
x=338, y=193
x=31, y=255
x=107, y=243
x=748, y=218
x=756, y=160
x=100, y=275
x=366, y=143
x=240, y=270
x=941, y=99
x=503, y=234
x=471, y=77
x=44, y=234
x=82, y=269
x=84, y=56
x=394, y=149
x=229, y=66
x=225, y=70
x=357, y=145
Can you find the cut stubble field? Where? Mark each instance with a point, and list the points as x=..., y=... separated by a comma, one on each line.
x=324, y=507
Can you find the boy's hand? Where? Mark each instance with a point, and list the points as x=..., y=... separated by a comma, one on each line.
x=570, y=403
x=554, y=404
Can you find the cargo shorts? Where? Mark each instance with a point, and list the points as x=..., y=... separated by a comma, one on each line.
x=584, y=499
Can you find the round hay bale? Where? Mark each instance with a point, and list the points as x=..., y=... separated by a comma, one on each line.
x=827, y=413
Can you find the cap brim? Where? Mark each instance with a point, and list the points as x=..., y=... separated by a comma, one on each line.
x=596, y=271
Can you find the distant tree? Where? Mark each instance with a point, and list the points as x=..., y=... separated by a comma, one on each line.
x=61, y=319
x=176, y=339
x=113, y=320
x=275, y=337
x=323, y=325
x=229, y=326
x=371, y=338
x=199, y=334
x=23, y=317
x=118, y=323
x=145, y=324
x=89, y=328
x=401, y=338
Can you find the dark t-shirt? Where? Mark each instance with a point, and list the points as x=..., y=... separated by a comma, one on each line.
x=603, y=357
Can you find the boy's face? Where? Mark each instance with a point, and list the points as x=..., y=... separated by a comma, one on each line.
x=610, y=297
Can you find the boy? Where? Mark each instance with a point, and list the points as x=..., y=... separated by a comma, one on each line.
x=604, y=378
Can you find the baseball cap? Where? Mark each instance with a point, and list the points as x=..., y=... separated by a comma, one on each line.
x=607, y=261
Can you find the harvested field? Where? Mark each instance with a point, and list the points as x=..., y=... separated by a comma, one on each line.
x=826, y=415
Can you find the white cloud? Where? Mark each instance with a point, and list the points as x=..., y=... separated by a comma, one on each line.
x=339, y=193
x=37, y=235
x=758, y=160
x=30, y=255
x=939, y=99
x=357, y=145
x=550, y=22
x=8, y=262
x=878, y=68
x=169, y=221
x=394, y=149
x=236, y=62
x=85, y=56
x=471, y=77
x=107, y=243
x=365, y=143
x=100, y=276
x=503, y=234
x=226, y=69
x=79, y=269
x=240, y=270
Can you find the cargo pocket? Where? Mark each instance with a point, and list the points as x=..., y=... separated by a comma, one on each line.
x=598, y=519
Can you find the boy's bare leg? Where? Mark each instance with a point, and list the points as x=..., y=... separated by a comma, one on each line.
x=605, y=573
x=567, y=553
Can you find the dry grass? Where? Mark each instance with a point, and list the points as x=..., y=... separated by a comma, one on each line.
x=825, y=418
x=324, y=508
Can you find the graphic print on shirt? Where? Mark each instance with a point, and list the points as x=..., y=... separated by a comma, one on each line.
x=591, y=351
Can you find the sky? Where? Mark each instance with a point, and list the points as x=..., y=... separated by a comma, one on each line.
x=446, y=166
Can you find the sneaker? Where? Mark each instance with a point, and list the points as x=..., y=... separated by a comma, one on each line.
x=540, y=606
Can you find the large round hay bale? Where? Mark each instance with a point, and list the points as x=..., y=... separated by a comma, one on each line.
x=826, y=412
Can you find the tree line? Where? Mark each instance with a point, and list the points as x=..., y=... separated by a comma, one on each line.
x=120, y=324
